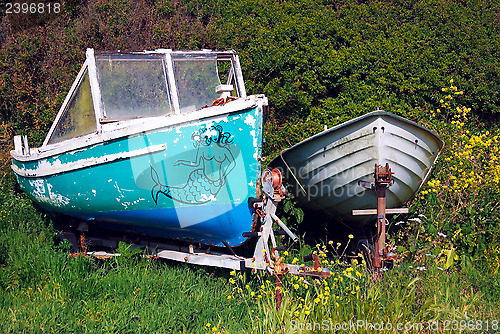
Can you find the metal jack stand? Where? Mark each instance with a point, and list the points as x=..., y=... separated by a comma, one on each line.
x=383, y=180
x=274, y=192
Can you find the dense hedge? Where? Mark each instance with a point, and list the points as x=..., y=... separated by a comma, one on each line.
x=320, y=62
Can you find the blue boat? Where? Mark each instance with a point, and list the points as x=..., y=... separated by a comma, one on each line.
x=165, y=143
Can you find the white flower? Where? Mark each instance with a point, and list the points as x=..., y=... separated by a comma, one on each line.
x=441, y=235
x=400, y=222
x=422, y=216
x=415, y=220
x=422, y=268
x=429, y=254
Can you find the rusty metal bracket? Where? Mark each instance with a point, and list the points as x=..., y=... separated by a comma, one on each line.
x=315, y=270
x=383, y=180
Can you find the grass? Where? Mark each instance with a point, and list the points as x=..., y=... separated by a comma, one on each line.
x=446, y=278
x=44, y=290
x=83, y=296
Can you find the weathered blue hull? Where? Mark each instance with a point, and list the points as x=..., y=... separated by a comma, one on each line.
x=189, y=181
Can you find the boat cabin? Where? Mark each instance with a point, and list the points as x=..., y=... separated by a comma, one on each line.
x=119, y=90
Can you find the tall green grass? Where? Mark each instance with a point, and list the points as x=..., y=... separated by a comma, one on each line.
x=444, y=277
x=43, y=289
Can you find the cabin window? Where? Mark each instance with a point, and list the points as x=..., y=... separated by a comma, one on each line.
x=133, y=86
x=196, y=77
x=226, y=74
x=78, y=118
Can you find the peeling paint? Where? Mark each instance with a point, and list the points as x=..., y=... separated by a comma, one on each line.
x=46, y=167
x=254, y=136
x=119, y=190
x=211, y=132
x=38, y=187
x=250, y=120
x=208, y=198
x=210, y=124
x=42, y=191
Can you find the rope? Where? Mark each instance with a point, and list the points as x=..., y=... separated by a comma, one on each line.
x=298, y=182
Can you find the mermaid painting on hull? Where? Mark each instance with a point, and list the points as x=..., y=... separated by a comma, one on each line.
x=213, y=162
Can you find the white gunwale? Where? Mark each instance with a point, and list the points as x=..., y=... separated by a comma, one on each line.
x=46, y=169
x=137, y=126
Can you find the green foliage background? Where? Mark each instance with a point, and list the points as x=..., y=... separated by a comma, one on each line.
x=319, y=62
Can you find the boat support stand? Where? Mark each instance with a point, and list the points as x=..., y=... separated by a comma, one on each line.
x=383, y=180
x=266, y=254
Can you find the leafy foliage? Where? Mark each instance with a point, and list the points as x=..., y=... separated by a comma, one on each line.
x=459, y=206
x=320, y=63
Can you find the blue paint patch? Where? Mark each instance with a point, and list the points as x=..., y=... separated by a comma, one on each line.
x=167, y=222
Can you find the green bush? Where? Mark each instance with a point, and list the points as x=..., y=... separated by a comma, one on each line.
x=459, y=205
